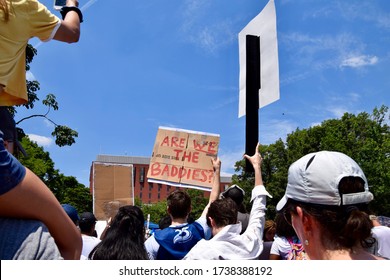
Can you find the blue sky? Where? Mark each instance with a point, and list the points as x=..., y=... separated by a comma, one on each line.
x=141, y=64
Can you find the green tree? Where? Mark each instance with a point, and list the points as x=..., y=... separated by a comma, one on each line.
x=64, y=135
x=363, y=137
x=198, y=203
x=274, y=169
x=156, y=211
x=65, y=188
x=159, y=210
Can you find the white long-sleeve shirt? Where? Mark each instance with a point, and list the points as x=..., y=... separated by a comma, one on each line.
x=228, y=244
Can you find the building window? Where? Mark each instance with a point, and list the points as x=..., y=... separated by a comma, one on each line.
x=150, y=187
x=142, y=174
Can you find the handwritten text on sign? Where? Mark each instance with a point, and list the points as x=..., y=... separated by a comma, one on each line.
x=182, y=156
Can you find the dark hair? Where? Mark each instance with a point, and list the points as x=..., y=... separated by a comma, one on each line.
x=345, y=226
x=283, y=228
x=164, y=222
x=125, y=238
x=86, y=227
x=235, y=194
x=179, y=204
x=223, y=212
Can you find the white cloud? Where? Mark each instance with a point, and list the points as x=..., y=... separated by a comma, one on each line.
x=315, y=124
x=228, y=160
x=321, y=52
x=30, y=76
x=41, y=140
x=367, y=11
x=274, y=130
x=359, y=61
x=337, y=112
x=201, y=31
x=48, y=123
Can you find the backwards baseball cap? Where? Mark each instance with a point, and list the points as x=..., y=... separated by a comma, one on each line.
x=87, y=218
x=8, y=127
x=235, y=193
x=315, y=178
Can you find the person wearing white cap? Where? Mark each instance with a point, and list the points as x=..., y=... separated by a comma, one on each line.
x=325, y=201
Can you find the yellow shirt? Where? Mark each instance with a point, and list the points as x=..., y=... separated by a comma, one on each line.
x=27, y=19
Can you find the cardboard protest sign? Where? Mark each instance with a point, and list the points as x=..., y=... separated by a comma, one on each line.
x=112, y=188
x=183, y=158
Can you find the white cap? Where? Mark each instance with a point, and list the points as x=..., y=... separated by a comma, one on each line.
x=315, y=177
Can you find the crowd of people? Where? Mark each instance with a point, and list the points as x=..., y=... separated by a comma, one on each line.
x=323, y=214
x=326, y=208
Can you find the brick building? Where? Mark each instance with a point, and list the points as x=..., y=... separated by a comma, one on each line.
x=123, y=178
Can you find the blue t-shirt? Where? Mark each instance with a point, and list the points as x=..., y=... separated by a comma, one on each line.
x=22, y=239
x=12, y=171
x=176, y=242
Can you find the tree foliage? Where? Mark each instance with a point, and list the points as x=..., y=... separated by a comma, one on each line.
x=64, y=135
x=364, y=137
x=65, y=188
x=156, y=211
x=159, y=210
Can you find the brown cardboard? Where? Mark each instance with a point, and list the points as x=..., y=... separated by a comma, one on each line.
x=112, y=188
x=183, y=157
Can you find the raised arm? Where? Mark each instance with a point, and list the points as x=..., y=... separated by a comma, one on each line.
x=69, y=30
x=256, y=161
x=215, y=190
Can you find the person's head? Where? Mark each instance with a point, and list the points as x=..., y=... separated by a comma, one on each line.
x=179, y=204
x=164, y=222
x=125, y=237
x=10, y=135
x=374, y=221
x=87, y=223
x=72, y=213
x=327, y=193
x=282, y=227
x=235, y=193
x=222, y=212
x=269, y=230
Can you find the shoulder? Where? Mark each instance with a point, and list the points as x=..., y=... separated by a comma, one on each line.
x=30, y=240
x=200, y=251
x=90, y=239
x=381, y=230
